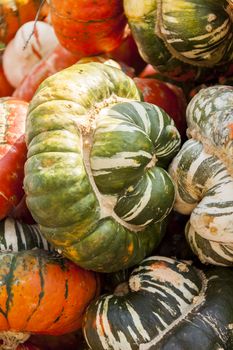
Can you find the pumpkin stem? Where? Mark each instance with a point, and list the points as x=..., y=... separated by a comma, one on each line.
x=35, y=22
x=11, y=340
x=122, y=289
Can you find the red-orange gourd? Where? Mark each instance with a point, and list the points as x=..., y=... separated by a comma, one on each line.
x=12, y=152
x=88, y=27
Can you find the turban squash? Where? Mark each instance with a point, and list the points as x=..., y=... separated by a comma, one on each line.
x=40, y=291
x=94, y=176
x=187, y=40
x=165, y=304
x=203, y=175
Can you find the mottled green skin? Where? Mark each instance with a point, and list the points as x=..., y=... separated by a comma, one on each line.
x=181, y=38
x=61, y=195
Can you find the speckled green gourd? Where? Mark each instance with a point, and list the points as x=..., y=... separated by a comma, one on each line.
x=95, y=166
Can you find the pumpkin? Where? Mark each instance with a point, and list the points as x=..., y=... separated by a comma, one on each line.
x=28, y=346
x=94, y=177
x=166, y=304
x=88, y=27
x=55, y=61
x=14, y=13
x=41, y=293
x=20, y=55
x=12, y=152
x=202, y=172
x=167, y=96
x=186, y=40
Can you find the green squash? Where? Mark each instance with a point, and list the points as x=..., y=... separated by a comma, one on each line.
x=94, y=176
x=187, y=40
x=203, y=175
x=166, y=304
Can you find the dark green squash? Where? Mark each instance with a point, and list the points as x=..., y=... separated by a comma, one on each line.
x=94, y=176
x=166, y=305
x=187, y=40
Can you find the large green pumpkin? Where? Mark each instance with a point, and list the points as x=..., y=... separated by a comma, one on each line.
x=185, y=39
x=166, y=304
x=94, y=176
x=203, y=175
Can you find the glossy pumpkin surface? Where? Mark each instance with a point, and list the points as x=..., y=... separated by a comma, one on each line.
x=166, y=304
x=94, y=176
x=186, y=40
x=202, y=172
x=88, y=27
x=12, y=152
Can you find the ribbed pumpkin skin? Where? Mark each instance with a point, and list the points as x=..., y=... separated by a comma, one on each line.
x=12, y=152
x=183, y=39
x=91, y=179
x=13, y=13
x=202, y=172
x=169, y=305
x=88, y=27
x=43, y=293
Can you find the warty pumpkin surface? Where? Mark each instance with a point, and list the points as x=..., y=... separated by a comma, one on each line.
x=186, y=40
x=94, y=176
x=166, y=304
x=203, y=175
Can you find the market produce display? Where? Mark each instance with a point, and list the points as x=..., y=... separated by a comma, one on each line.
x=116, y=175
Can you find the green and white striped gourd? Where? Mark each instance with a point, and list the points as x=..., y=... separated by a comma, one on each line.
x=186, y=39
x=16, y=236
x=94, y=176
x=203, y=174
x=167, y=304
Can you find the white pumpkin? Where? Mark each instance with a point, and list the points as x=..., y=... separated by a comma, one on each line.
x=21, y=54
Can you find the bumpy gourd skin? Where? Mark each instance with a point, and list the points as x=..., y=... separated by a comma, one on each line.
x=95, y=155
x=203, y=174
x=183, y=39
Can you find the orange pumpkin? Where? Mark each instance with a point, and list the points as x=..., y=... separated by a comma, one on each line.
x=14, y=13
x=41, y=293
x=88, y=27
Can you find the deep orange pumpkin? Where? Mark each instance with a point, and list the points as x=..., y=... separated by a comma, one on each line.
x=12, y=153
x=13, y=13
x=41, y=293
x=88, y=27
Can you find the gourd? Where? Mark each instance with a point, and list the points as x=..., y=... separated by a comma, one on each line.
x=14, y=13
x=12, y=153
x=88, y=27
x=40, y=291
x=202, y=172
x=186, y=40
x=94, y=177
x=21, y=54
x=166, y=304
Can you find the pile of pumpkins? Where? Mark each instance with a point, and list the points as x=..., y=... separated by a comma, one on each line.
x=116, y=175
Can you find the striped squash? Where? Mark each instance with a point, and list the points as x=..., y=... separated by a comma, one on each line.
x=203, y=174
x=94, y=176
x=16, y=236
x=166, y=304
x=183, y=39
